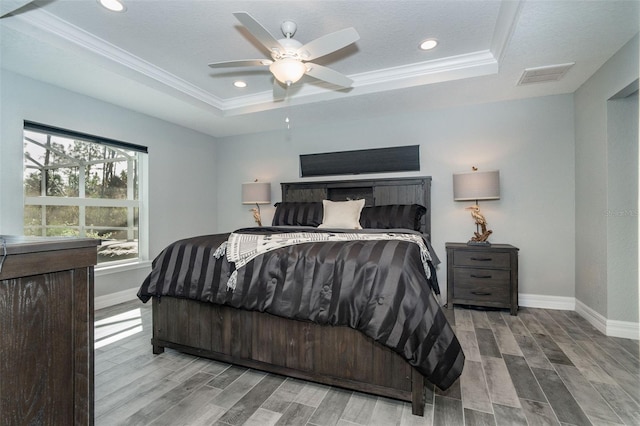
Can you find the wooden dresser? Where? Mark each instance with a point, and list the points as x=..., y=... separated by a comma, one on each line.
x=482, y=275
x=46, y=330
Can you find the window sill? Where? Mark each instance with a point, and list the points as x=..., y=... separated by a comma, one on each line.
x=121, y=267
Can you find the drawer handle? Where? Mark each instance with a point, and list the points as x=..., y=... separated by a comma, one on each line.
x=482, y=259
x=480, y=276
x=481, y=293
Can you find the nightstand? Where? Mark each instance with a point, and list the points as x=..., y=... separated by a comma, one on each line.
x=482, y=275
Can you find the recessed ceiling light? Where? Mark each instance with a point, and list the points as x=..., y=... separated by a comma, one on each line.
x=113, y=5
x=429, y=44
x=240, y=84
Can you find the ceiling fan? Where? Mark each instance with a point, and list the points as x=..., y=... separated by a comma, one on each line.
x=289, y=56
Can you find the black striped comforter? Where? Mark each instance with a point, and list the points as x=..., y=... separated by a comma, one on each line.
x=378, y=287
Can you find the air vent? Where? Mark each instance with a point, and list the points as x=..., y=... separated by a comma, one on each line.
x=544, y=74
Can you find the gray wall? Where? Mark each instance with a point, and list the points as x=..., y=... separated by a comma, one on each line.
x=530, y=141
x=622, y=207
x=601, y=185
x=182, y=187
x=555, y=161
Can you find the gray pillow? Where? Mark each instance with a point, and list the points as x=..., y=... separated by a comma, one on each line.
x=406, y=216
x=298, y=214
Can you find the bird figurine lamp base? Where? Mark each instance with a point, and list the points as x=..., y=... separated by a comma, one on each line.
x=482, y=234
x=256, y=214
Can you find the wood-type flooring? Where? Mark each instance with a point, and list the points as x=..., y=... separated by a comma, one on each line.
x=542, y=367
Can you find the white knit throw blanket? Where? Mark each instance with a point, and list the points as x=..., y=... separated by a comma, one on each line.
x=242, y=248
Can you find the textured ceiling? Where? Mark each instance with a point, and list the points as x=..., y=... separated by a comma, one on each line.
x=153, y=58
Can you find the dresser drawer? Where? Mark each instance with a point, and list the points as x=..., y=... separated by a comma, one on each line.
x=484, y=259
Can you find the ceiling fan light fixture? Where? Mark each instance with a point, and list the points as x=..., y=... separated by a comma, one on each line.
x=288, y=70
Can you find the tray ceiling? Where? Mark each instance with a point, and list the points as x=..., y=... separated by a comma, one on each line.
x=153, y=57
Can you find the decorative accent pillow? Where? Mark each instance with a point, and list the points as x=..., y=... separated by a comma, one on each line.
x=342, y=214
x=297, y=214
x=405, y=216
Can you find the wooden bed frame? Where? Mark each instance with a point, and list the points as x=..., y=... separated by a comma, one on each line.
x=337, y=356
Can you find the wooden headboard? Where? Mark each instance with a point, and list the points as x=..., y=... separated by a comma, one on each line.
x=376, y=192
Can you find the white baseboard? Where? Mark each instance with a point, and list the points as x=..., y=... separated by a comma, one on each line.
x=625, y=329
x=547, y=302
x=115, y=298
x=595, y=319
x=612, y=328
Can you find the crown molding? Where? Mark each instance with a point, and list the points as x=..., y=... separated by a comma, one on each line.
x=505, y=24
x=436, y=71
x=446, y=69
x=52, y=25
x=468, y=61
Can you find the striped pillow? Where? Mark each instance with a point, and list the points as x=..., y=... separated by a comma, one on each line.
x=298, y=214
x=405, y=216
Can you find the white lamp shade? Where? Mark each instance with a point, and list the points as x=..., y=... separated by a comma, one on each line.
x=287, y=70
x=256, y=193
x=476, y=186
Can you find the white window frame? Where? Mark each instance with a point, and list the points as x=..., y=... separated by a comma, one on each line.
x=82, y=202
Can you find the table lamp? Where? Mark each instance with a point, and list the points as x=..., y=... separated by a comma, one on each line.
x=256, y=193
x=475, y=186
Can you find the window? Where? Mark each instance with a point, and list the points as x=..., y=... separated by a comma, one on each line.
x=83, y=185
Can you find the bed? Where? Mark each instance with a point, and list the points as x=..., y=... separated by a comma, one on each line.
x=366, y=318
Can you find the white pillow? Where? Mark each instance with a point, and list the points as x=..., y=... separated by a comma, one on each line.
x=341, y=214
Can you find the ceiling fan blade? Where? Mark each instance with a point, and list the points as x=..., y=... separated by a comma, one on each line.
x=258, y=31
x=279, y=91
x=328, y=44
x=10, y=6
x=328, y=75
x=242, y=63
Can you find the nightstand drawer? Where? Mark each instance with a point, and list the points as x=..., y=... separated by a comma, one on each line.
x=486, y=259
x=484, y=292
x=469, y=277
